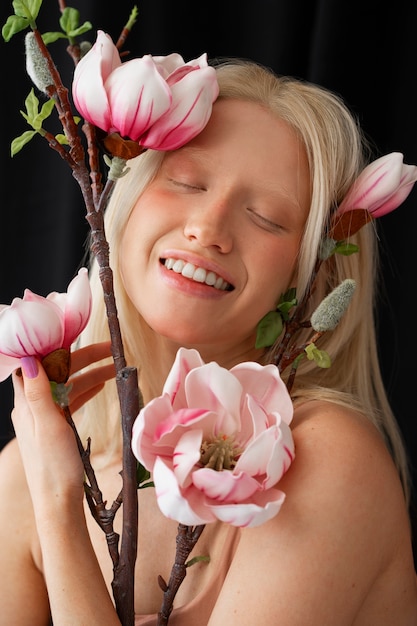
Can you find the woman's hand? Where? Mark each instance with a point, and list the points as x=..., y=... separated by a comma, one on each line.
x=47, y=443
x=55, y=476
x=86, y=385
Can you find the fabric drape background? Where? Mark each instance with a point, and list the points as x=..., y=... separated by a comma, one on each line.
x=363, y=52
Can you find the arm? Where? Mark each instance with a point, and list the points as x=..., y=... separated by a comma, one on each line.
x=338, y=541
x=54, y=475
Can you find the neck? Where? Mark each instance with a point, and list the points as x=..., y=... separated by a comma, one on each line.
x=161, y=354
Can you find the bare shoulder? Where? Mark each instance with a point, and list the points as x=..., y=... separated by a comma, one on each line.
x=23, y=595
x=339, y=551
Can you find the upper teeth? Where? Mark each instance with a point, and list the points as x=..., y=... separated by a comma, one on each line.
x=199, y=274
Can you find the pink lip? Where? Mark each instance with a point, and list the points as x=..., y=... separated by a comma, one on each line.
x=198, y=262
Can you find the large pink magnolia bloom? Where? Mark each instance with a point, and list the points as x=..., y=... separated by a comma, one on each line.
x=160, y=102
x=217, y=442
x=381, y=187
x=36, y=326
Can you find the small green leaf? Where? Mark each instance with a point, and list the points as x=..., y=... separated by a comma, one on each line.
x=342, y=247
x=13, y=26
x=50, y=37
x=27, y=8
x=268, y=329
x=62, y=139
x=197, y=559
x=142, y=475
x=33, y=116
x=18, y=143
x=69, y=20
x=320, y=357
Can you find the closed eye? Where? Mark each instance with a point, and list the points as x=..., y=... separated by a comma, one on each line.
x=264, y=222
x=186, y=186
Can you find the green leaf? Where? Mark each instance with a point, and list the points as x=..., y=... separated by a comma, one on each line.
x=27, y=8
x=18, y=143
x=342, y=247
x=197, y=559
x=142, y=475
x=13, y=25
x=33, y=116
x=62, y=139
x=50, y=37
x=320, y=357
x=268, y=329
x=81, y=30
x=69, y=20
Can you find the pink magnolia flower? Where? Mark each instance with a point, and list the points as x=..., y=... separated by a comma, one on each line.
x=381, y=187
x=160, y=102
x=217, y=441
x=36, y=326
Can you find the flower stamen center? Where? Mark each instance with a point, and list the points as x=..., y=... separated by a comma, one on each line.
x=220, y=453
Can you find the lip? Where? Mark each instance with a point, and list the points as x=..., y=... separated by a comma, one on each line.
x=198, y=261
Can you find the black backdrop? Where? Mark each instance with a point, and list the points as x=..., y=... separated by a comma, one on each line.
x=354, y=47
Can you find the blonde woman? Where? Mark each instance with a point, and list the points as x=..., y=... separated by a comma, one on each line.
x=249, y=200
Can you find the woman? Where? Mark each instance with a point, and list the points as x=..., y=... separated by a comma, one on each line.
x=248, y=200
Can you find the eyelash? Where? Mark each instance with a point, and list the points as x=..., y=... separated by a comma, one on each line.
x=264, y=222
x=178, y=183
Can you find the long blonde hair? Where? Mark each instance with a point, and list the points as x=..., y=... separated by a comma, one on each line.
x=336, y=152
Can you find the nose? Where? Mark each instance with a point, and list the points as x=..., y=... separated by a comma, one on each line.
x=209, y=224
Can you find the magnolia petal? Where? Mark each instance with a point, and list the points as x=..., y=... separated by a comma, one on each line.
x=254, y=420
x=215, y=388
x=269, y=455
x=166, y=65
x=145, y=446
x=264, y=383
x=89, y=94
x=264, y=506
x=8, y=364
x=76, y=306
x=395, y=200
x=185, y=361
x=255, y=458
x=30, y=328
x=138, y=96
x=192, y=101
x=185, y=510
x=186, y=455
x=225, y=486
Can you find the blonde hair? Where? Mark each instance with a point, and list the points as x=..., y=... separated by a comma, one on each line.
x=336, y=152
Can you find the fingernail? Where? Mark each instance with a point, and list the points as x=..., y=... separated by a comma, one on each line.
x=29, y=366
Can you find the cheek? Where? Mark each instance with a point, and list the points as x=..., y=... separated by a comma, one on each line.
x=276, y=269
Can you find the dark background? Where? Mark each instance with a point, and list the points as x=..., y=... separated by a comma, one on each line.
x=365, y=53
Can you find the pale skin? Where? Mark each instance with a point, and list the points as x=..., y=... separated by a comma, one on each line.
x=339, y=552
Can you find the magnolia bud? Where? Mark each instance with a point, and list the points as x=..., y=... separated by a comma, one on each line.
x=37, y=65
x=331, y=310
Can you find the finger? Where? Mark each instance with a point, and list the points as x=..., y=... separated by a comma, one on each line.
x=86, y=386
x=36, y=388
x=36, y=418
x=89, y=354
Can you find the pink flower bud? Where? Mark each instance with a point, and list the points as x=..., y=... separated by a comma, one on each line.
x=160, y=102
x=37, y=326
x=381, y=187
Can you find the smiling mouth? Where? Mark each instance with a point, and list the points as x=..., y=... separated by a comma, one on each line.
x=198, y=274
